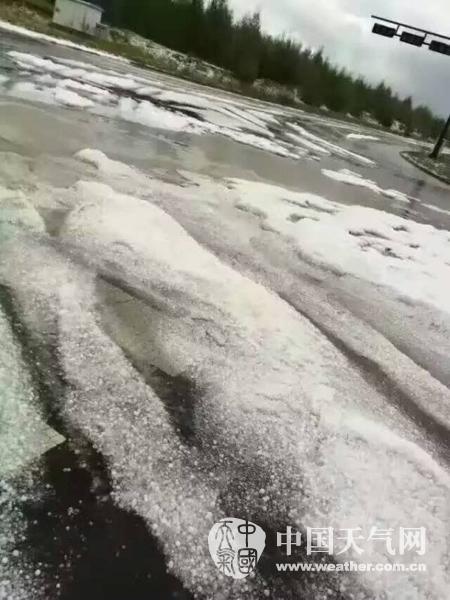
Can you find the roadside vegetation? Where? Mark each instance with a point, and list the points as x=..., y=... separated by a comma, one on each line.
x=236, y=55
x=209, y=31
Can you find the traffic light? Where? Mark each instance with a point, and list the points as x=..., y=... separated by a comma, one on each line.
x=412, y=38
x=440, y=47
x=384, y=30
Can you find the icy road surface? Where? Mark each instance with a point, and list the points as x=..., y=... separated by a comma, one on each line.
x=211, y=306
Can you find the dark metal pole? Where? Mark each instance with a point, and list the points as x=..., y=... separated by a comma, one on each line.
x=437, y=149
x=436, y=46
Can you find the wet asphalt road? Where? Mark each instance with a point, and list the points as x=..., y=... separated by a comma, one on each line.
x=63, y=132
x=87, y=546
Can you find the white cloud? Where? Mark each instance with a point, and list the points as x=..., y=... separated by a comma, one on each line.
x=343, y=28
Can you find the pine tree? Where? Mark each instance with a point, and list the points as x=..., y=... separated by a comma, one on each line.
x=247, y=48
x=208, y=31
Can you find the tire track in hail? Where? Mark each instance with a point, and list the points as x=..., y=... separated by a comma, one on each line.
x=376, y=377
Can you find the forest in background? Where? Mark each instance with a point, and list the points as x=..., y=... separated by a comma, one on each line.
x=209, y=30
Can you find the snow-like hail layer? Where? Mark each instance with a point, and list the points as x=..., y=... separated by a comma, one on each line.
x=411, y=258
x=6, y=26
x=261, y=367
x=352, y=178
x=80, y=85
x=18, y=578
x=23, y=434
x=282, y=426
x=362, y=136
x=322, y=146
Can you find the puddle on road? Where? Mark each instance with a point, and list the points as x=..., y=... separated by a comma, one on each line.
x=25, y=129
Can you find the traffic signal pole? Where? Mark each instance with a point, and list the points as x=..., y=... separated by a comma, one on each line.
x=439, y=144
x=419, y=38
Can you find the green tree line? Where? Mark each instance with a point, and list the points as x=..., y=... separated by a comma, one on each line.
x=209, y=30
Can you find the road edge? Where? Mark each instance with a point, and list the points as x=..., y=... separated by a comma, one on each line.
x=407, y=155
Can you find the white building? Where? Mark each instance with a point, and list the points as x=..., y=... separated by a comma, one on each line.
x=78, y=15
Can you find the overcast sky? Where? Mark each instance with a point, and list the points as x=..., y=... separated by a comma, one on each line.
x=343, y=28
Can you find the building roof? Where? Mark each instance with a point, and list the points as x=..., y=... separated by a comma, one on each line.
x=95, y=6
